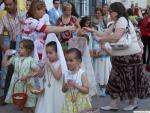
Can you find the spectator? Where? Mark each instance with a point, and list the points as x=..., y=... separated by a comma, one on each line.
x=55, y=12
x=106, y=13
x=145, y=31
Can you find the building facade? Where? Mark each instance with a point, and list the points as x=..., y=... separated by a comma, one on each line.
x=87, y=7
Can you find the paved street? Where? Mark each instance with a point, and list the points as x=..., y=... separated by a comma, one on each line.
x=98, y=102
x=144, y=105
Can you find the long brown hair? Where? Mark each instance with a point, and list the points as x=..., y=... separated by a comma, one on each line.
x=35, y=5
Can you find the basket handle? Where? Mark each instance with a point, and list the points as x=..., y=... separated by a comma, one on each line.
x=15, y=85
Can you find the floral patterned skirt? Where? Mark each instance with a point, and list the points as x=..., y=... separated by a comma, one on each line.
x=127, y=78
x=82, y=102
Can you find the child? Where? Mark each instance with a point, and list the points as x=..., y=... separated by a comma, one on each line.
x=102, y=65
x=76, y=86
x=23, y=66
x=52, y=99
x=35, y=29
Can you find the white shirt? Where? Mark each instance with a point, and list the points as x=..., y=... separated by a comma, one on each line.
x=134, y=47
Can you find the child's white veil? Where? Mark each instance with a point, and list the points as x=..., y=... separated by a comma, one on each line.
x=52, y=37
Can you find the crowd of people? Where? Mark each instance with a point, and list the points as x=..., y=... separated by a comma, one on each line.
x=63, y=60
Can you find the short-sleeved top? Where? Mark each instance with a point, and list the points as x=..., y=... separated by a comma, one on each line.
x=66, y=35
x=134, y=47
x=22, y=65
x=45, y=19
x=33, y=29
x=12, y=24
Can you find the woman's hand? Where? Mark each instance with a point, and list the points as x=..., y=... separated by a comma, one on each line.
x=72, y=28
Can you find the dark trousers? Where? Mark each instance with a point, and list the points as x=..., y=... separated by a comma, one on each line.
x=8, y=79
x=146, y=43
x=0, y=59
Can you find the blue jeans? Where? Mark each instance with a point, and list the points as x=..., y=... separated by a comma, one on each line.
x=6, y=41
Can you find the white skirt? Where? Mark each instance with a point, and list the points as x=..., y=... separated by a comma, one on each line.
x=102, y=68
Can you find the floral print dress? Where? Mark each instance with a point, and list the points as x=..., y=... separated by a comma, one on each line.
x=75, y=101
x=22, y=66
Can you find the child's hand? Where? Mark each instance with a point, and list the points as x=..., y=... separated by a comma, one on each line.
x=72, y=28
x=48, y=62
x=23, y=78
x=71, y=83
x=66, y=86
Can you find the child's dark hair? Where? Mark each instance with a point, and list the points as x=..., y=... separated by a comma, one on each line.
x=76, y=52
x=84, y=20
x=28, y=45
x=53, y=45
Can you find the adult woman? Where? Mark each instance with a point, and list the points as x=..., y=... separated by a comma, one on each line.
x=65, y=20
x=127, y=80
x=98, y=19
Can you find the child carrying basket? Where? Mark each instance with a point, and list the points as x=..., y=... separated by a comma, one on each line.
x=24, y=68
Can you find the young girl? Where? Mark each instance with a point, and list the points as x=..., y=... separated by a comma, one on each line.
x=23, y=66
x=35, y=29
x=81, y=44
x=76, y=85
x=101, y=57
x=52, y=99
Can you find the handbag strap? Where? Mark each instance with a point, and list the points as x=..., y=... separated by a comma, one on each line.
x=127, y=28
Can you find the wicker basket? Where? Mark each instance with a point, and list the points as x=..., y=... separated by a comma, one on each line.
x=19, y=99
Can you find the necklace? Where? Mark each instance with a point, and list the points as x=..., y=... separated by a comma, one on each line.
x=50, y=75
x=74, y=92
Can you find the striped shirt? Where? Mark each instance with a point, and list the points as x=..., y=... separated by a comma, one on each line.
x=13, y=25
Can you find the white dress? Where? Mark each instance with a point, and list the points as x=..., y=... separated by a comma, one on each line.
x=51, y=101
x=102, y=67
x=88, y=67
x=81, y=44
